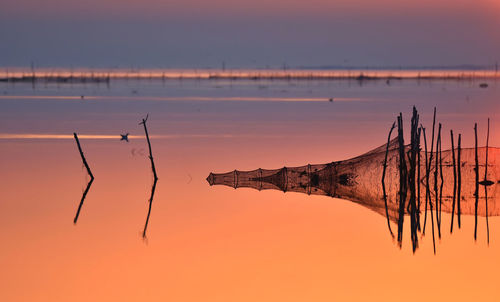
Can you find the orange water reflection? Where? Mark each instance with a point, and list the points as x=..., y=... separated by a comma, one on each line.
x=207, y=243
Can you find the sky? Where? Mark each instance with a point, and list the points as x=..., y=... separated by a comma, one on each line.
x=248, y=34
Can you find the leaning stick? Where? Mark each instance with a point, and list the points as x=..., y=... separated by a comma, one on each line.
x=89, y=183
x=153, y=188
x=83, y=156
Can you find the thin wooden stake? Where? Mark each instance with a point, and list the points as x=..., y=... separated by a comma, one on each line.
x=83, y=156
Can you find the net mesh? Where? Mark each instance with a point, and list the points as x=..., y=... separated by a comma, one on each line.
x=359, y=180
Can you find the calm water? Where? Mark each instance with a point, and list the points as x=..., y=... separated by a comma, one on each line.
x=216, y=243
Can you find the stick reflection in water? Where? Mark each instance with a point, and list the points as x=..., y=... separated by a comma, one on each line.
x=84, y=195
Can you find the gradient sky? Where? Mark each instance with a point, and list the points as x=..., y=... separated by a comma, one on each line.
x=258, y=33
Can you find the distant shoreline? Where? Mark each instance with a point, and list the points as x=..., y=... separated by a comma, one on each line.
x=82, y=75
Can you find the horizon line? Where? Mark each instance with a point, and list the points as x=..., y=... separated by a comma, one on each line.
x=61, y=74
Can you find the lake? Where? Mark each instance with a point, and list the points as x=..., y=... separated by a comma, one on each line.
x=215, y=243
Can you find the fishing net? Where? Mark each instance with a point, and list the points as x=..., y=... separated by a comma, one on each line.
x=359, y=180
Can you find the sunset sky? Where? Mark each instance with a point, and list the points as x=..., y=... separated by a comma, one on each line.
x=194, y=33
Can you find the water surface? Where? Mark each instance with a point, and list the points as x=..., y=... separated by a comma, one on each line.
x=216, y=243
